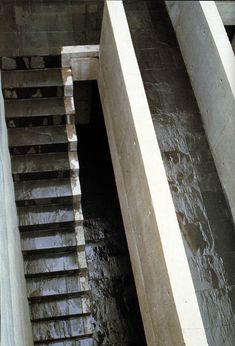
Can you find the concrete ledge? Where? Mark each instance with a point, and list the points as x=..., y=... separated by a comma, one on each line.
x=83, y=60
x=164, y=285
x=210, y=62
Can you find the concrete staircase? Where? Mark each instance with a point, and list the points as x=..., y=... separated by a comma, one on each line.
x=43, y=145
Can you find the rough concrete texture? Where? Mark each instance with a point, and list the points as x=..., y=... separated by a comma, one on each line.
x=203, y=215
x=211, y=67
x=164, y=285
x=15, y=322
x=43, y=27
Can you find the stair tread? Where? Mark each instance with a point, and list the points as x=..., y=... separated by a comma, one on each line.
x=70, y=342
x=40, y=163
x=54, y=263
x=32, y=78
x=53, y=240
x=59, y=308
x=39, y=107
x=45, y=215
x=41, y=288
x=40, y=135
x=40, y=189
x=60, y=329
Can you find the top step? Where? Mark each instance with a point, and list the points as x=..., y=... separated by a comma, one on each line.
x=30, y=62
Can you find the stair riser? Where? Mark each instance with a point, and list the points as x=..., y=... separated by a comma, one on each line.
x=24, y=63
x=41, y=121
x=68, y=200
x=33, y=92
x=49, y=226
x=42, y=175
x=42, y=149
x=69, y=342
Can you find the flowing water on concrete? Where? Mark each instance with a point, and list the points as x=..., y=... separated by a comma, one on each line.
x=201, y=208
x=115, y=307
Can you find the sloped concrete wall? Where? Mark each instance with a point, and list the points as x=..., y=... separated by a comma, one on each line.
x=163, y=281
x=210, y=63
x=15, y=322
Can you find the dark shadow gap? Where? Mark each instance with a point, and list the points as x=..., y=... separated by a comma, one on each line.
x=115, y=307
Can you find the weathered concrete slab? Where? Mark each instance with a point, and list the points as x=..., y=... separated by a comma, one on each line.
x=211, y=66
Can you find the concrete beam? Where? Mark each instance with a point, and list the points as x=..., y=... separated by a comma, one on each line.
x=227, y=11
x=210, y=62
x=164, y=285
x=83, y=60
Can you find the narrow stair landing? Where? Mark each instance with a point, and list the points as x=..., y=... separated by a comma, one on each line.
x=43, y=146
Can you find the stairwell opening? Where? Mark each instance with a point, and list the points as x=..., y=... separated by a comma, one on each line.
x=115, y=307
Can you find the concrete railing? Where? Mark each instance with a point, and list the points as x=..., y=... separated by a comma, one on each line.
x=210, y=62
x=16, y=327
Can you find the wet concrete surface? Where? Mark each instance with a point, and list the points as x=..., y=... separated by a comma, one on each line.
x=115, y=308
x=204, y=217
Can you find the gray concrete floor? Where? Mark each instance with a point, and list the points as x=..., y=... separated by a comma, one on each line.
x=42, y=27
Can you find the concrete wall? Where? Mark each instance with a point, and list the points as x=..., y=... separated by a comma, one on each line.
x=15, y=322
x=29, y=27
x=164, y=285
x=210, y=62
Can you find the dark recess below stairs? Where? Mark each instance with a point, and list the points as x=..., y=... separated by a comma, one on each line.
x=115, y=306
